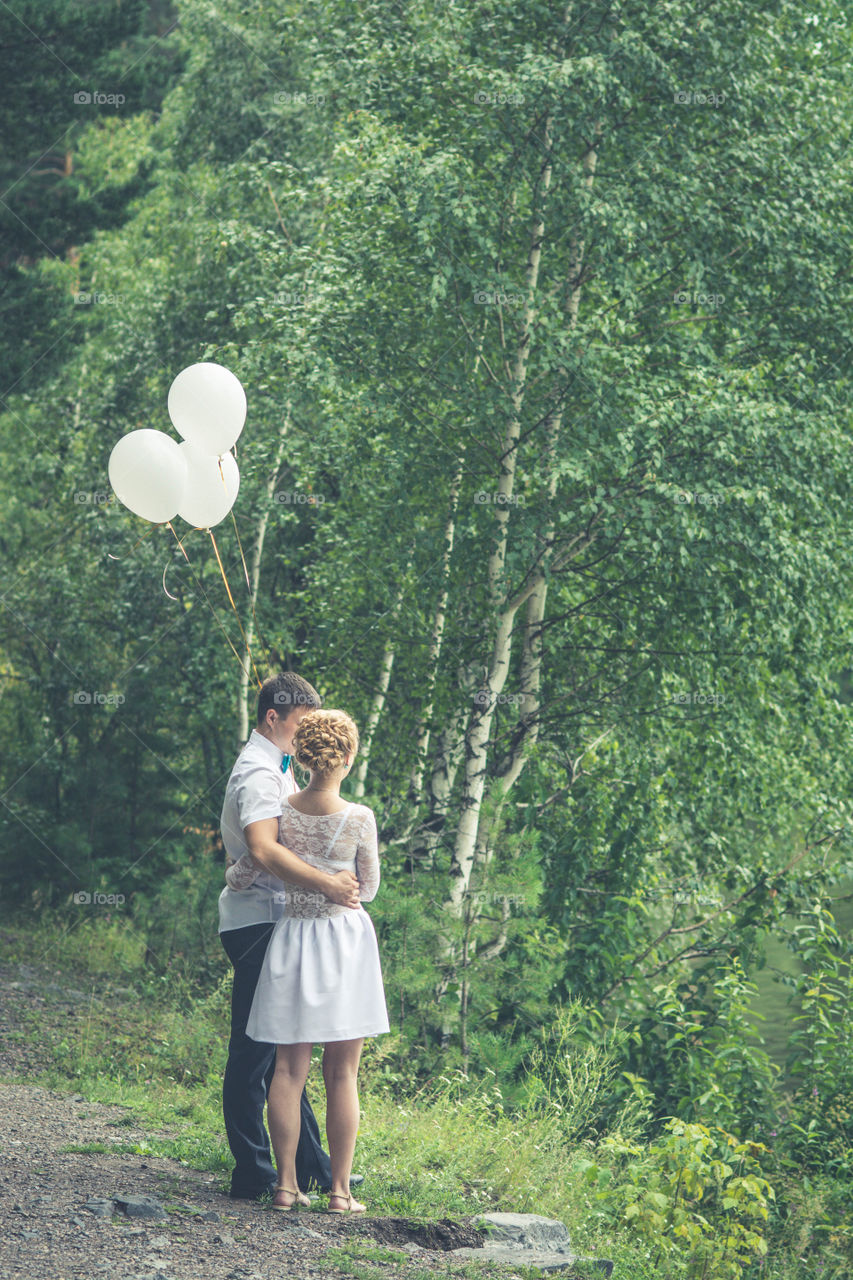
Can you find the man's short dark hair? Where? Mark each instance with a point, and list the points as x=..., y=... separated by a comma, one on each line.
x=284, y=693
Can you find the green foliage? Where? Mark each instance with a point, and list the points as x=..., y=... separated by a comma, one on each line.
x=819, y=1133
x=697, y=1194
x=696, y=1042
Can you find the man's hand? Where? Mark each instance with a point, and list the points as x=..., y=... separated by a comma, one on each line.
x=343, y=889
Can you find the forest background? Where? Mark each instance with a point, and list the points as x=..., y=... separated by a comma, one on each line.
x=543, y=315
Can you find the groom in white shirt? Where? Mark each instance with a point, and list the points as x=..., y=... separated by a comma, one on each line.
x=260, y=781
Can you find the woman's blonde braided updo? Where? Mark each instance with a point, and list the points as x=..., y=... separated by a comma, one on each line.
x=324, y=739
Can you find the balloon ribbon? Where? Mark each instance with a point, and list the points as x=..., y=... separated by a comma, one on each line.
x=234, y=607
x=206, y=598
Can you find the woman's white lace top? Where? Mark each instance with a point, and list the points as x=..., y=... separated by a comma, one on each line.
x=342, y=841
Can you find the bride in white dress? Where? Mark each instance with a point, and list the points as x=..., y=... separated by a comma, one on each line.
x=321, y=982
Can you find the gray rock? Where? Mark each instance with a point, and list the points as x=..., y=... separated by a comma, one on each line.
x=159, y=1242
x=509, y=1255
x=210, y=1216
x=100, y=1208
x=530, y=1240
x=304, y=1232
x=526, y=1231
x=141, y=1207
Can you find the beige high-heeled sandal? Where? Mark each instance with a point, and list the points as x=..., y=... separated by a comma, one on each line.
x=300, y=1200
x=337, y=1195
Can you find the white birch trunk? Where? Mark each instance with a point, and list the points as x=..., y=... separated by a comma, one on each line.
x=471, y=842
x=366, y=738
x=483, y=713
x=416, y=780
x=531, y=656
x=366, y=741
x=255, y=578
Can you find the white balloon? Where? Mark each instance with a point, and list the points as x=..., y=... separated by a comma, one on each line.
x=207, y=404
x=210, y=492
x=148, y=472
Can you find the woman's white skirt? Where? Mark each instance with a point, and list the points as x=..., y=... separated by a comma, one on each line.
x=321, y=980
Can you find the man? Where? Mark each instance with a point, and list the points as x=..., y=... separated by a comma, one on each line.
x=260, y=781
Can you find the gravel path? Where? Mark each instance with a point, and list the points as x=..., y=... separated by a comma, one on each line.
x=71, y=1216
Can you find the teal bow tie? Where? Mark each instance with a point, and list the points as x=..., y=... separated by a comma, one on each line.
x=285, y=763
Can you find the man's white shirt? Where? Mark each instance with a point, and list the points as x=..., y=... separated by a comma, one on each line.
x=257, y=789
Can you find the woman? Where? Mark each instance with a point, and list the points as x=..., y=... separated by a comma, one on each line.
x=321, y=981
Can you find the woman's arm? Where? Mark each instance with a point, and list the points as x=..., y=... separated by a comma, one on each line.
x=367, y=859
x=264, y=846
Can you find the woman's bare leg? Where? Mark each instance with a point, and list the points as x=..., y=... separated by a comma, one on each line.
x=340, y=1073
x=292, y=1063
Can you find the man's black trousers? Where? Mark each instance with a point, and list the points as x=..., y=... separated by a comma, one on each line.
x=248, y=1074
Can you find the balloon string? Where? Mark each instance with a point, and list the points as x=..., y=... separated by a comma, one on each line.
x=180, y=541
x=234, y=607
x=206, y=599
x=141, y=538
x=249, y=586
